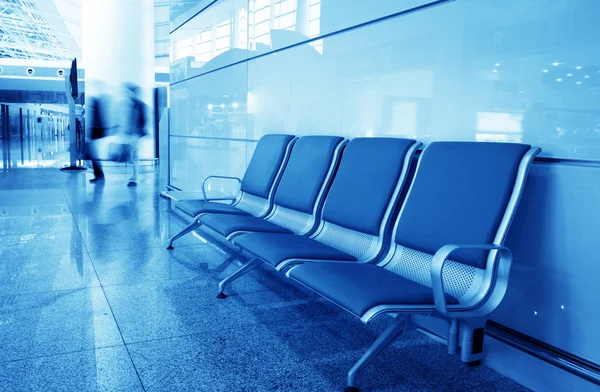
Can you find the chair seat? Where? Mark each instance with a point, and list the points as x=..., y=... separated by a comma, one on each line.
x=360, y=287
x=225, y=224
x=195, y=207
x=274, y=248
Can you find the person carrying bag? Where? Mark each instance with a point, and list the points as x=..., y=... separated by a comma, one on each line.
x=119, y=151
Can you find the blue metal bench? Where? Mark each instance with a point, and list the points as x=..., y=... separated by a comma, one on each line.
x=298, y=197
x=256, y=188
x=447, y=258
x=356, y=215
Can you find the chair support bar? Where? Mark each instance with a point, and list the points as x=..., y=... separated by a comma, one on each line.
x=240, y=272
x=191, y=227
x=401, y=324
x=453, y=337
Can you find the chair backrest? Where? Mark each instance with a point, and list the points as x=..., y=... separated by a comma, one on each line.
x=305, y=179
x=463, y=193
x=363, y=193
x=264, y=170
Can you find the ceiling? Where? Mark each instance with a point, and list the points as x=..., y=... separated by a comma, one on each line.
x=26, y=34
x=51, y=29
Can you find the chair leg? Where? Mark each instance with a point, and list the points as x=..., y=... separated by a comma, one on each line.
x=400, y=324
x=240, y=272
x=193, y=226
x=472, y=332
x=238, y=249
x=453, y=337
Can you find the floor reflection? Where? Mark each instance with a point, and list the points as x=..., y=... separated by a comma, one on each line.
x=47, y=150
x=84, y=270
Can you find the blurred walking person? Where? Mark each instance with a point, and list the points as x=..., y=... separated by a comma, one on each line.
x=98, y=131
x=135, y=129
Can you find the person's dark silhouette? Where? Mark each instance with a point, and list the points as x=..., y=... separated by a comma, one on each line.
x=98, y=131
x=135, y=129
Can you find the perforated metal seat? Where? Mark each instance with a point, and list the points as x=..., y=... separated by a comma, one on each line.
x=225, y=224
x=299, y=195
x=356, y=212
x=360, y=287
x=275, y=248
x=197, y=207
x=447, y=258
x=256, y=188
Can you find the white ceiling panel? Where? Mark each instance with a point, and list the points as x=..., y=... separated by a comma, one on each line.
x=51, y=29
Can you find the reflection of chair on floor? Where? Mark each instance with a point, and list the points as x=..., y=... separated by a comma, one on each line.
x=355, y=216
x=256, y=188
x=446, y=260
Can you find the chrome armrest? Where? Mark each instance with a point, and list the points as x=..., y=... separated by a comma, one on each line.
x=442, y=255
x=223, y=177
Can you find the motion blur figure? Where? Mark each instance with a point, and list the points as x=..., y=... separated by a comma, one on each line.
x=135, y=128
x=98, y=131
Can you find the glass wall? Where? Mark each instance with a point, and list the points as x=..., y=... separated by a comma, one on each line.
x=33, y=137
x=496, y=70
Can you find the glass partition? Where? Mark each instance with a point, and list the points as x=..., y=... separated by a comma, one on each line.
x=496, y=70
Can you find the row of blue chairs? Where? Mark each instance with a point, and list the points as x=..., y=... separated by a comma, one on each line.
x=378, y=226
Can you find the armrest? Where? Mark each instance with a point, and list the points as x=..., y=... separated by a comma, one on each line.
x=222, y=177
x=442, y=255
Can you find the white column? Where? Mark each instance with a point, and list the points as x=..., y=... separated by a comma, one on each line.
x=302, y=17
x=118, y=47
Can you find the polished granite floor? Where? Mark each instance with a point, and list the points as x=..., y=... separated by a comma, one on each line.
x=90, y=300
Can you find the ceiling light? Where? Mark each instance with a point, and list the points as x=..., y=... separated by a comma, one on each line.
x=556, y=64
x=559, y=80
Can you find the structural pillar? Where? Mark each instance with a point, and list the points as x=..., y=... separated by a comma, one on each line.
x=5, y=114
x=118, y=48
x=303, y=17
